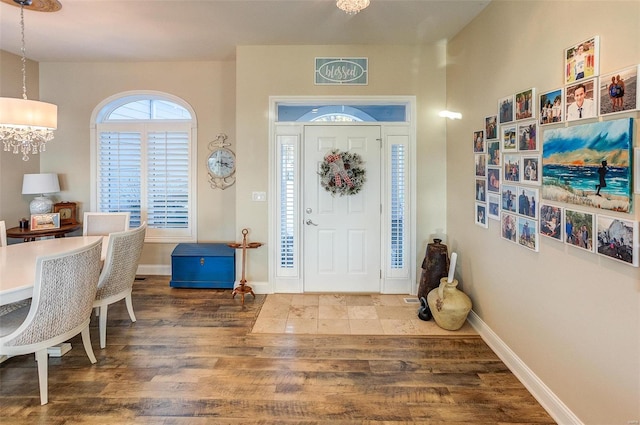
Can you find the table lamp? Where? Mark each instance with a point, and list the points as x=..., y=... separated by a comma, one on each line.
x=40, y=184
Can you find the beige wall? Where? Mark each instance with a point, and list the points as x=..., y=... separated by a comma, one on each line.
x=77, y=88
x=264, y=71
x=573, y=317
x=13, y=205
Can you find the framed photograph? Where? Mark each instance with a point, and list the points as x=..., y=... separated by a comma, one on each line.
x=617, y=239
x=582, y=60
x=481, y=190
x=551, y=107
x=45, y=221
x=481, y=215
x=511, y=167
x=478, y=142
x=509, y=194
x=636, y=175
x=525, y=104
x=508, y=227
x=493, y=206
x=551, y=221
x=493, y=152
x=619, y=91
x=530, y=169
x=505, y=109
x=508, y=136
x=491, y=127
x=528, y=136
x=527, y=233
x=481, y=165
x=581, y=100
x=528, y=201
x=589, y=164
x=493, y=180
x=578, y=229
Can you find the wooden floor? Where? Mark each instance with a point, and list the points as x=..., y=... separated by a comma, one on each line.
x=191, y=359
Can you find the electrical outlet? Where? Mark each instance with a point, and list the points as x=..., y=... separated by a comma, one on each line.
x=259, y=196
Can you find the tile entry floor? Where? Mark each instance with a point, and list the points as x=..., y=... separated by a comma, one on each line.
x=330, y=314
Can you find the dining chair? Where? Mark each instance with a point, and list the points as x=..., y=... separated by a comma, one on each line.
x=64, y=289
x=104, y=223
x=3, y=233
x=118, y=274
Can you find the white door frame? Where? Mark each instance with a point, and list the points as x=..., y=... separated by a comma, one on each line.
x=399, y=283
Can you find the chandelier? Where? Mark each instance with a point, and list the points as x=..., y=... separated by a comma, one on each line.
x=27, y=125
x=352, y=7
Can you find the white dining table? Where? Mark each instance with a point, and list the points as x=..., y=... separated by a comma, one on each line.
x=18, y=263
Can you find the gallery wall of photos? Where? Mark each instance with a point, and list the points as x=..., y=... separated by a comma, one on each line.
x=545, y=160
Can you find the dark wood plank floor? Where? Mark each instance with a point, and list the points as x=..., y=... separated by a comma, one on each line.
x=190, y=359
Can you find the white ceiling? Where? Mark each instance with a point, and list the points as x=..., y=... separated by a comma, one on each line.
x=198, y=30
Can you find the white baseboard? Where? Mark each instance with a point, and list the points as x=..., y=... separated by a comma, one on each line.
x=154, y=269
x=59, y=350
x=549, y=401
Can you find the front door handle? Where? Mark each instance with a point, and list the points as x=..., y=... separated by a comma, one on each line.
x=310, y=223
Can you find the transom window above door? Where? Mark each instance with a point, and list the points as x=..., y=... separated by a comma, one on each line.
x=342, y=113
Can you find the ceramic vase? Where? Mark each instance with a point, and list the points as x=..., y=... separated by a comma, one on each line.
x=449, y=305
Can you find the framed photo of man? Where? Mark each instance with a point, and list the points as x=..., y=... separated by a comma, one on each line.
x=582, y=60
x=619, y=91
x=581, y=101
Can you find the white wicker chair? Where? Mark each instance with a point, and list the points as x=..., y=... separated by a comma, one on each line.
x=64, y=290
x=3, y=233
x=104, y=223
x=118, y=274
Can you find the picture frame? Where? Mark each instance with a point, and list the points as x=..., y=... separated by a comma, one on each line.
x=581, y=100
x=481, y=215
x=68, y=212
x=582, y=60
x=524, y=106
x=619, y=91
x=481, y=165
x=493, y=206
x=508, y=134
x=572, y=163
x=528, y=201
x=508, y=227
x=505, y=109
x=491, y=127
x=508, y=194
x=527, y=136
x=578, y=229
x=44, y=221
x=493, y=153
x=531, y=166
x=617, y=239
x=493, y=180
x=636, y=173
x=479, y=145
x=527, y=234
x=551, y=217
x=481, y=190
x=511, y=168
x=551, y=110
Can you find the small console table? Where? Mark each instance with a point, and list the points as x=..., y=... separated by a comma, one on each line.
x=243, y=288
x=31, y=235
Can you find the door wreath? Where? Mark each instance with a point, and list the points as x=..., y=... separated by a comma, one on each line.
x=342, y=173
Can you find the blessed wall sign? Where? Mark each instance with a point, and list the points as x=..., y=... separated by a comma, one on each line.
x=341, y=71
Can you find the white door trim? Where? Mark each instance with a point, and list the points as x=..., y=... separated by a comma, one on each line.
x=392, y=283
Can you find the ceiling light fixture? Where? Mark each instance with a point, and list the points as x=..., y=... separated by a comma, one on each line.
x=351, y=7
x=27, y=125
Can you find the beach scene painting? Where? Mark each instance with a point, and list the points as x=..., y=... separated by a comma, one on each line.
x=589, y=165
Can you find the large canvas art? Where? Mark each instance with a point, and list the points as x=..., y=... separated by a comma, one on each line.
x=589, y=164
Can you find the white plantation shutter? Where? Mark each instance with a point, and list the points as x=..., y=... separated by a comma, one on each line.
x=144, y=166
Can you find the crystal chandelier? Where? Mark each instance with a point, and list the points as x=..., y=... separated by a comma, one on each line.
x=352, y=7
x=26, y=125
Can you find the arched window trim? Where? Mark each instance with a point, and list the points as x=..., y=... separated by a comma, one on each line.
x=108, y=105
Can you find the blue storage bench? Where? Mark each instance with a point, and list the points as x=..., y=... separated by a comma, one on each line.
x=203, y=265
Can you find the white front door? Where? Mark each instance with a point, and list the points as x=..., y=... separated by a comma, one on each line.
x=342, y=233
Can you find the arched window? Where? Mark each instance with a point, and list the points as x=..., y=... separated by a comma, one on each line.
x=143, y=157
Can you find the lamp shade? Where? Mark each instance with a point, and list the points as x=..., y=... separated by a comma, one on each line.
x=40, y=183
x=16, y=112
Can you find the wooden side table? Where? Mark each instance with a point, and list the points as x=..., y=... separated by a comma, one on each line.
x=31, y=235
x=244, y=289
